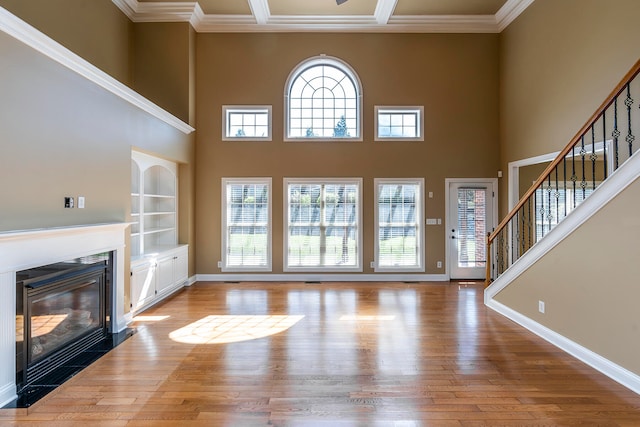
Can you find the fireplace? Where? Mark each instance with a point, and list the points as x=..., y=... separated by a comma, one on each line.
x=60, y=312
x=25, y=250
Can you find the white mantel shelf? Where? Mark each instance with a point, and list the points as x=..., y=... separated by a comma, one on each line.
x=23, y=249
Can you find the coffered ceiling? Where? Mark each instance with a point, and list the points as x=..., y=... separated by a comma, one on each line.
x=420, y=16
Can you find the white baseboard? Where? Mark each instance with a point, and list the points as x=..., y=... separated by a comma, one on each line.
x=193, y=279
x=599, y=363
x=7, y=394
x=240, y=277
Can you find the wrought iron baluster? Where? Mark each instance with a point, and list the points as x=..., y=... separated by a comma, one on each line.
x=630, y=137
x=529, y=217
x=604, y=143
x=594, y=156
x=549, y=214
x=574, y=178
x=616, y=132
x=583, y=153
x=522, y=232
x=557, y=197
x=564, y=183
x=514, y=236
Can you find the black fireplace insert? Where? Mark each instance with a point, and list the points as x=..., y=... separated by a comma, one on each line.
x=61, y=310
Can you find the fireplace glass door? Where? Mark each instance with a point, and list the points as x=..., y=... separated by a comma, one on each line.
x=61, y=316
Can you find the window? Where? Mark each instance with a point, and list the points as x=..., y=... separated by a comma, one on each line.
x=246, y=123
x=399, y=123
x=323, y=101
x=322, y=226
x=398, y=215
x=246, y=223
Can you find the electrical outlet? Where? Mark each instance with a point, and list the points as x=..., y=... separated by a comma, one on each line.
x=373, y=264
x=541, y=306
x=439, y=264
x=219, y=264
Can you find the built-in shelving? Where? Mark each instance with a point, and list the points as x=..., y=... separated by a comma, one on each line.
x=153, y=204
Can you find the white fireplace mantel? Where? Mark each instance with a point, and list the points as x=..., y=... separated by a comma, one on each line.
x=20, y=250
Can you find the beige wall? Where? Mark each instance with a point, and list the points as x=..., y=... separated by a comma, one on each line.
x=589, y=284
x=558, y=62
x=162, y=65
x=455, y=77
x=96, y=30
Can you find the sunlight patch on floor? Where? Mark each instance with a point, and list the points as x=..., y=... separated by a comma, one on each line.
x=230, y=328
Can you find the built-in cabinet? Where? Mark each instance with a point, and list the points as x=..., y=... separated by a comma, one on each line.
x=159, y=265
x=155, y=277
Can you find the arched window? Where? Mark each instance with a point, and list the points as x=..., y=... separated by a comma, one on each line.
x=323, y=101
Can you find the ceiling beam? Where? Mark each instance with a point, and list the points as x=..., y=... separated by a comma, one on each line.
x=260, y=10
x=384, y=10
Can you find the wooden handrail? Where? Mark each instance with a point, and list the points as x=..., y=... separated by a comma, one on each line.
x=608, y=101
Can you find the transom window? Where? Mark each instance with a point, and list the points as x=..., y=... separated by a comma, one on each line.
x=323, y=219
x=246, y=123
x=399, y=123
x=323, y=101
x=399, y=230
x=246, y=221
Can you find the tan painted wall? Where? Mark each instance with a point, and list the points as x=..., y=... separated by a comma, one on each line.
x=455, y=77
x=558, y=62
x=162, y=65
x=589, y=284
x=96, y=30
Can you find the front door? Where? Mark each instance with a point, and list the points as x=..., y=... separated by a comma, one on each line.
x=471, y=206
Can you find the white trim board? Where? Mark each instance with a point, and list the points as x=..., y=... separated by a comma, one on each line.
x=321, y=277
x=25, y=33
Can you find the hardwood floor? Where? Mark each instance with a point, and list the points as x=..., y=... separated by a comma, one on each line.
x=332, y=354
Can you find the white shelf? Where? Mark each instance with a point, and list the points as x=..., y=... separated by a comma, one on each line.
x=160, y=196
x=159, y=213
x=154, y=203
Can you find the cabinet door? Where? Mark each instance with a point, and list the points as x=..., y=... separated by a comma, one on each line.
x=165, y=273
x=181, y=269
x=143, y=286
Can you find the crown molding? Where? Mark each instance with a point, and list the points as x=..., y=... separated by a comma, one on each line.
x=510, y=11
x=261, y=19
x=25, y=33
x=443, y=24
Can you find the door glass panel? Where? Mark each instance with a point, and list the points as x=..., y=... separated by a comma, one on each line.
x=472, y=227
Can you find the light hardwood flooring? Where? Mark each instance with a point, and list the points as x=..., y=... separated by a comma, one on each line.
x=332, y=354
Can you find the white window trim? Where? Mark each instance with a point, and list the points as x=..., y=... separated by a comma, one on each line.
x=310, y=62
x=285, y=210
x=420, y=220
x=399, y=109
x=242, y=181
x=246, y=109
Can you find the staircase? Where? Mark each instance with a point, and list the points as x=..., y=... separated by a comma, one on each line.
x=597, y=151
x=572, y=242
